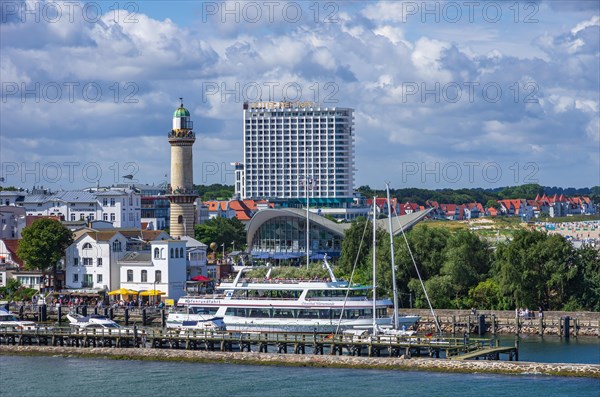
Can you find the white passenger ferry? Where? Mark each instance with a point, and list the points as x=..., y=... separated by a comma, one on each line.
x=273, y=305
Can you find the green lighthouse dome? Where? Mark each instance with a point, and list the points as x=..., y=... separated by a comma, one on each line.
x=181, y=112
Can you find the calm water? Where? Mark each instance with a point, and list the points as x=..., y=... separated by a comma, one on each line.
x=553, y=349
x=76, y=377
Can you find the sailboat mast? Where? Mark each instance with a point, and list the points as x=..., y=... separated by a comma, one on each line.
x=395, y=288
x=374, y=270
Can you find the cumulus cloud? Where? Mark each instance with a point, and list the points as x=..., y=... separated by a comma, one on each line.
x=423, y=92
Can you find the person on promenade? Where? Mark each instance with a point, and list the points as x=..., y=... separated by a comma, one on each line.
x=540, y=312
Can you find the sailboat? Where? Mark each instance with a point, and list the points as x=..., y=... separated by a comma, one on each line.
x=395, y=330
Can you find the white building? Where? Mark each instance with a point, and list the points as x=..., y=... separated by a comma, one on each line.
x=197, y=261
x=92, y=261
x=12, y=221
x=11, y=197
x=163, y=268
x=121, y=207
x=287, y=144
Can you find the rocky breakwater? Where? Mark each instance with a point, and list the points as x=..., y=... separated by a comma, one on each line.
x=387, y=363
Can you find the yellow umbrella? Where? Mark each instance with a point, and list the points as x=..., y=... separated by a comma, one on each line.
x=152, y=292
x=123, y=291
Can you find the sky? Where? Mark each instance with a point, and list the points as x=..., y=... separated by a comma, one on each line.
x=458, y=94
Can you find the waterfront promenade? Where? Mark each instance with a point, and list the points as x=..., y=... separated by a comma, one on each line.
x=387, y=363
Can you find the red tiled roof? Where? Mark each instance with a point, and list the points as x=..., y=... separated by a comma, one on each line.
x=29, y=219
x=12, y=245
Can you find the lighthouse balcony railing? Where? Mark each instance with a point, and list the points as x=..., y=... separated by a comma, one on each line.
x=182, y=134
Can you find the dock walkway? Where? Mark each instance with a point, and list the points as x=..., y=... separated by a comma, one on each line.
x=282, y=343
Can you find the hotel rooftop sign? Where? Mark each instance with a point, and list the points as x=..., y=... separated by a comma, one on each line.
x=280, y=105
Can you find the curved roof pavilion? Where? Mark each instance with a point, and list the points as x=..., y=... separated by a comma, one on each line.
x=285, y=228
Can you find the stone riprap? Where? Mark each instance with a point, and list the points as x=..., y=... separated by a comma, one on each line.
x=388, y=363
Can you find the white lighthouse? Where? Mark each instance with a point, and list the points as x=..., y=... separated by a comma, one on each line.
x=181, y=190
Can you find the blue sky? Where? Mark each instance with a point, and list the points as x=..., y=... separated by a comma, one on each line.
x=446, y=94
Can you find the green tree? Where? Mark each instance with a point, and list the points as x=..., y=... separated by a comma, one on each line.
x=485, y=295
x=222, y=231
x=588, y=294
x=466, y=263
x=360, y=230
x=492, y=204
x=536, y=269
x=43, y=245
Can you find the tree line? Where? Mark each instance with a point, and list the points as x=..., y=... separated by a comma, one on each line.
x=462, y=271
x=483, y=196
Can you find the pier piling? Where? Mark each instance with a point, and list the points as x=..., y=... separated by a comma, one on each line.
x=481, y=324
x=566, y=326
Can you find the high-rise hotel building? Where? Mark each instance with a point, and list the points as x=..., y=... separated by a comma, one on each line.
x=292, y=146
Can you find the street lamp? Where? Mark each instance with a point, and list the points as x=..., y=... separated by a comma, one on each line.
x=309, y=183
x=233, y=246
x=223, y=245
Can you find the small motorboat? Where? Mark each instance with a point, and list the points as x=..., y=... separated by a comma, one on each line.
x=9, y=320
x=90, y=323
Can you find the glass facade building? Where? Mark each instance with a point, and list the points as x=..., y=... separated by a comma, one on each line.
x=288, y=234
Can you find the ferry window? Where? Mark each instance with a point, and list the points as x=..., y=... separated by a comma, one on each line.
x=261, y=313
x=283, y=313
x=308, y=313
x=234, y=311
x=324, y=313
x=203, y=310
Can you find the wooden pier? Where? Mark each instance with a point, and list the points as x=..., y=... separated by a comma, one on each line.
x=281, y=343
